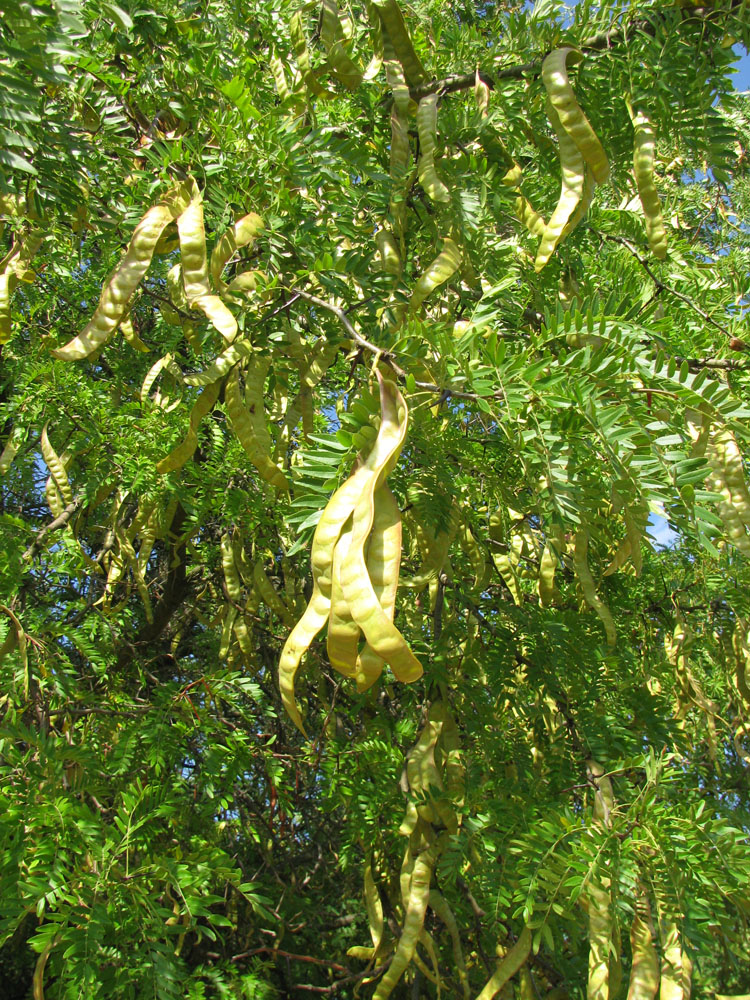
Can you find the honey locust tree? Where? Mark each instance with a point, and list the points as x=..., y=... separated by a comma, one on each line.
x=353, y=360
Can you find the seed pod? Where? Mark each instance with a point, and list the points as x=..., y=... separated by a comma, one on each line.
x=581, y=566
x=249, y=423
x=643, y=168
x=343, y=631
x=195, y=268
x=267, y=592
x=572, y=166
x=226, y=360
x=242, y=234
x=572, y=118
x=383, y=564
x=440, y=907
x=670, y=986
x=186, y=449
x=427, y=128
x=128, y=331
x=440, y=270
x=374, y=906
x=644, y=971
x=508, y=966
x=419, y=894
x=395, y=28
x=299, y=41
x=126, y=277
x=56, y=468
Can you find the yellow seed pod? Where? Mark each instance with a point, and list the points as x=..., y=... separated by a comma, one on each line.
x=416, y=907
x=442, y=269
x=242, y=234
x=299, y=42
x=226, y=360
x=427, y=128
x=57, y=469
x=644, y=145
x=249, y=422
x=195, y=268
x=508, y=966
x=572, y=166
x=118, y=291
x=670, y=986
x=644, y=970
x=343, y=631
x=186, y=449
x=395, y=28
x=586, y=580
x=572, y=118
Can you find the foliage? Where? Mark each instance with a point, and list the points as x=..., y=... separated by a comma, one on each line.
x=346, y=201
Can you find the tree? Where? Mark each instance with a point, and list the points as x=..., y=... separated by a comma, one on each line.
x=463, y=286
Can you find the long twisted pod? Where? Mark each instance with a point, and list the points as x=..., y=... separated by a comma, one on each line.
x=725, y=459
x=302, y=53
x=242, y=234
x=644, y=145
x=572, y=118
x=581, y=566
x=116, y=294
x=571, y=193
x=340, y=507
x=442, y=269
x=508, y=966
x=383, y=565
x=670, y=984
x=440, y=907
x=395, y=28
x=427, y=129
x=343, y=632
x=249, y=423
x=186, y=448
x=644, y=971
x=195, y=268
x=56, y=467
x=14, y=268
x=380, y=632
x=419, y=894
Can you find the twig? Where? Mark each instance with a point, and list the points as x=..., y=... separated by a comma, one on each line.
x=288, y=954
x=59, y=522
x=662, y=286
x=384, y=353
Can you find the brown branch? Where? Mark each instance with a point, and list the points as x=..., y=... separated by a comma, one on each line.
x=387, y=355
x=269, y=949
x=662, y=286
x=59, y=522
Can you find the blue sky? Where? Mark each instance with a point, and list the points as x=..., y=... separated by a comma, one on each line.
x=742, y=79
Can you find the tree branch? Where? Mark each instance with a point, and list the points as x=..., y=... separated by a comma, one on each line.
x=59, y=522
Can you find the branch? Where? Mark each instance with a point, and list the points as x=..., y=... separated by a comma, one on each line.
x=387, y=355
x=59, y=522
x=666, y=288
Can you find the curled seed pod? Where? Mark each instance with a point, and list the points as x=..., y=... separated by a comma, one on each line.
x=644, y=971
x=389, y=253
x=343, y=631
x=572, y=118
x=581, y=566
x=241, y=234
x=195, y=268
x=279, y=75
x=440, y=270
x=427, y=128
x=249, y=422
x=299, y=42
x=395, y=28
x=670, y=985
x=128, y=331
x=572, y=166
x=383, y=564
x=118, y=291
x=381, y=634
x=419, y=894
x=186, y=449
x=14, y=268
x=225, y=361
x=644, y=145
x=267, y=592
x=374, y=906
x=57, y=468
x=508, y=966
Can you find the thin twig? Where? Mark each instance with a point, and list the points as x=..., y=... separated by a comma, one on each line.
x=664, y=287
x=59, y=522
